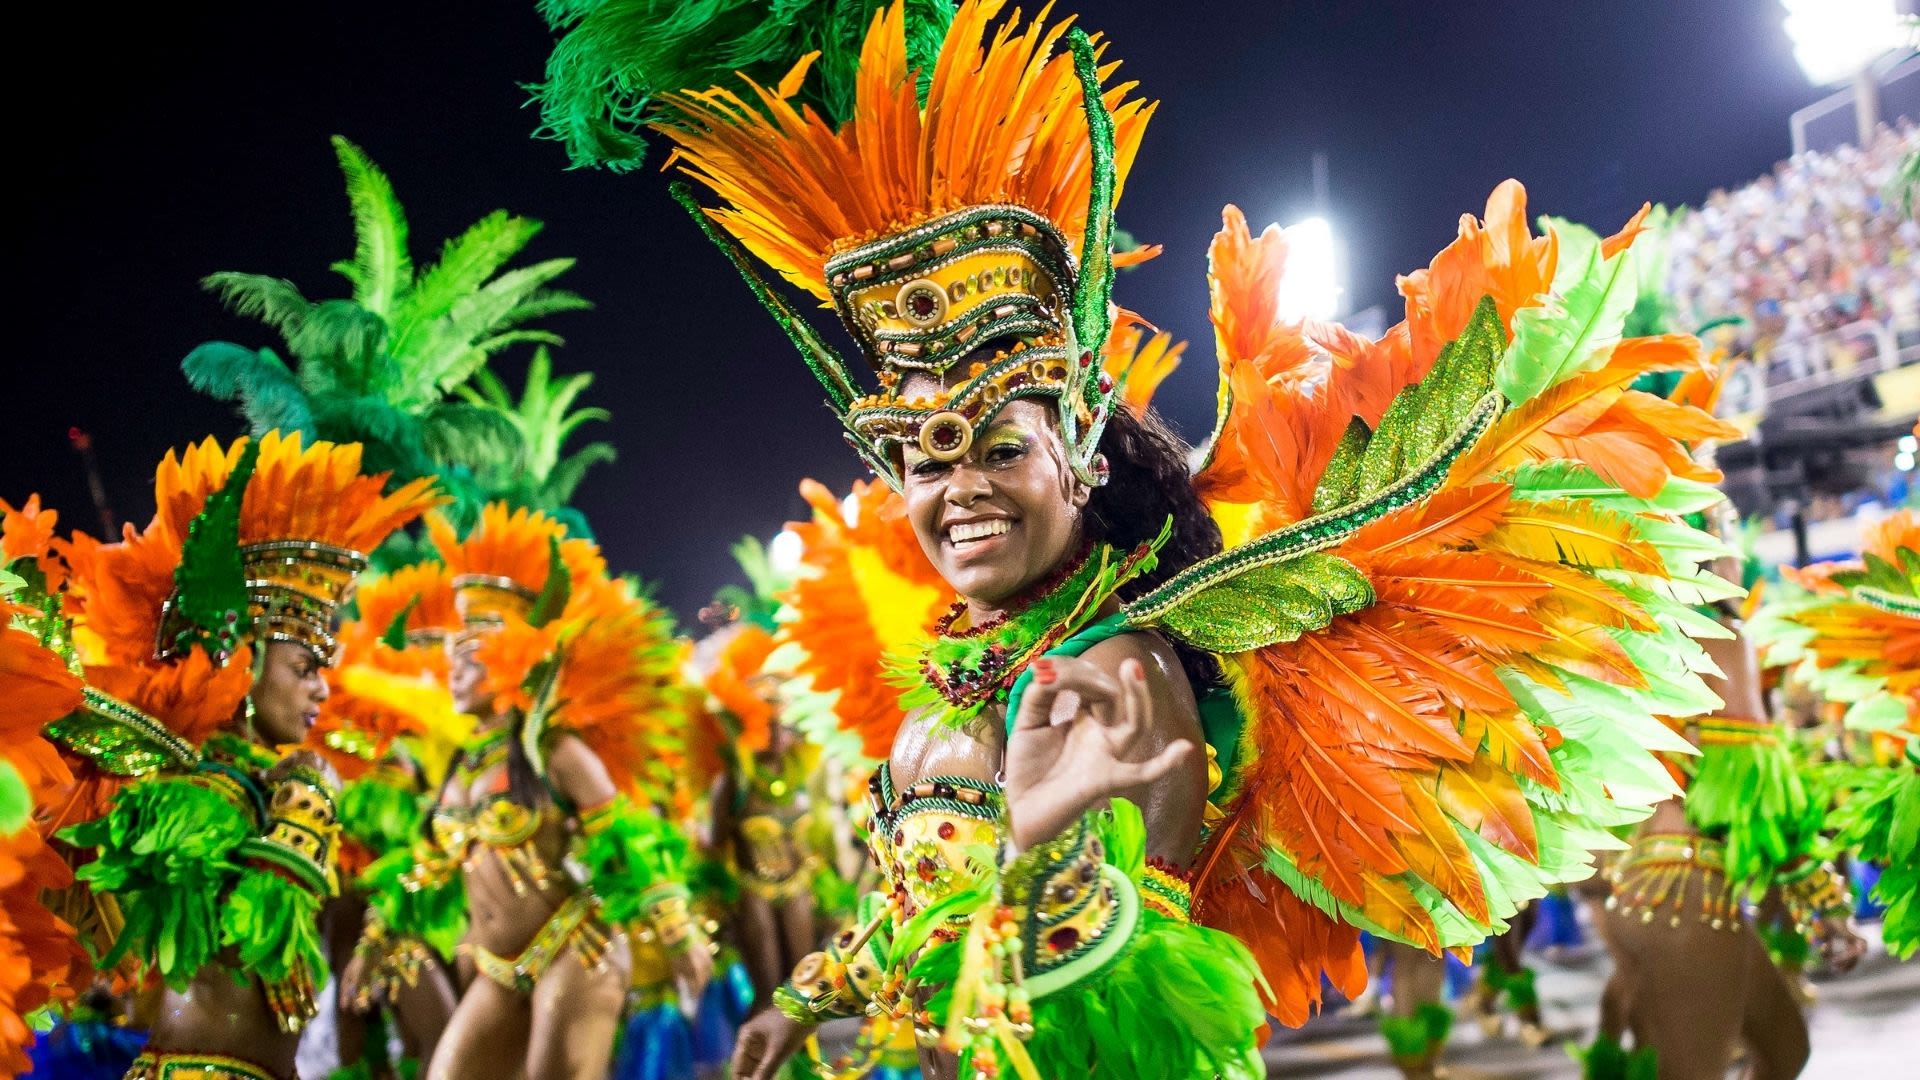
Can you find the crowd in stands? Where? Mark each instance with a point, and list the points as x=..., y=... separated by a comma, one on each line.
x=1816, y=260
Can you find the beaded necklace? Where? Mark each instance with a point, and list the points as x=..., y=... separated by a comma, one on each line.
x=963, y=669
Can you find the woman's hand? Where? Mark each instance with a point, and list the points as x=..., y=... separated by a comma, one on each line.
x=355, y=996
x=1080, y=737
x=765, y=1044
x=692, y=971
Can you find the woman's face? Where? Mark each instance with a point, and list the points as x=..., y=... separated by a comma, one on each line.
x=288, y=693
x=467, y=677
x=1004, y=515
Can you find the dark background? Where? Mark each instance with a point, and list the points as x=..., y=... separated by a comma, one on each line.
x=176, y=140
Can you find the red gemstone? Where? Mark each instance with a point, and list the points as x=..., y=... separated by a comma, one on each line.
x=921, y=304
x=946, y=830
x=925, y=868
x=899, y=837
x=1063, y=939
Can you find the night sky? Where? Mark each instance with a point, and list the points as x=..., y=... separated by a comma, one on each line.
x=210, y=153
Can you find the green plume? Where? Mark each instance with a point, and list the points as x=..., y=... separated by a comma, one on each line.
x=378, y=367
x=210, y=584
x=616, y=57
x=543, y=476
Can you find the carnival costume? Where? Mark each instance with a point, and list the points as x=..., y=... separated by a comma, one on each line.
x=39, y=959
x=1445, y=612
x=1852, y=634
x=569, y=649
x=208, y=847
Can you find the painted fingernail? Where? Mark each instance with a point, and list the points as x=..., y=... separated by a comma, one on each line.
x=1139, y=671
x=1043, y=671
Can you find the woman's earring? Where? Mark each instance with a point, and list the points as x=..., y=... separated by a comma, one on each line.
x=251, y=732
x=1102, y=471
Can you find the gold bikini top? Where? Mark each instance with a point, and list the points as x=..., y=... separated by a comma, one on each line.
x=919, y=837
x=497, y=824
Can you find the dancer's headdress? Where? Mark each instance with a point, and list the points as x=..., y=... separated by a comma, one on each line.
x=958, y=218
x=251, y=543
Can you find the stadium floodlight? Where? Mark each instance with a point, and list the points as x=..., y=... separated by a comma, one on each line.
x=785, y=551
x=1835, y=40
x=1310, y=284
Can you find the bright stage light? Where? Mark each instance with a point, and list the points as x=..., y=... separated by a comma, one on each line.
x=1835, y=39
x=785, y=551
x=1310, y=285
x=1908, y=444
x=1903, y=461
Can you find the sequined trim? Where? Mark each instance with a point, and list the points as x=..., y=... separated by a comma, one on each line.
x=119, y=738
x=1320, y=532
x=1735, y=731
x=1889, y=602
x=165, y=1065
x=1166, y=891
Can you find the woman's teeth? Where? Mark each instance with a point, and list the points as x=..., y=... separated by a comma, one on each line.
x=978, y=530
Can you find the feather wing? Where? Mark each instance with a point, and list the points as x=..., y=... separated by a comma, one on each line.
x=1453, y=735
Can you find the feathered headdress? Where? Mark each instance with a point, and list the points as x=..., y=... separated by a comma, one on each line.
x=39, y=956
x=958, y=216
x=391, y=682
x=514, y=567
x=251, y=543
x=1855, y=631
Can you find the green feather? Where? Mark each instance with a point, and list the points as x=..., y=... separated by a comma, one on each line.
x=16, y=802
x=1575, y=330
x=165, y=851
x=274, y=926
x=395, y=638
x=557, y=590
x=616, y=57
x=381, y=267
x=378, y=367
x=629, y=853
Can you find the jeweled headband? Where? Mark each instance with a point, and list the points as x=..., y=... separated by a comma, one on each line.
x=946, y=287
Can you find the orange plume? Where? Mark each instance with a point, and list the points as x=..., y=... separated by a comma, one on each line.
x=1002, y=124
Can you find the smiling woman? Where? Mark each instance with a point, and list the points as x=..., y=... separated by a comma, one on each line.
x=1144, y=783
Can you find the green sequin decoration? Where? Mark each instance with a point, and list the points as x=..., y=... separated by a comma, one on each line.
x=1315, y=533
x=120, y=739
x=1269, y=604
x=1092, y=318
x=1423, y=415
x=1340, y=483
x=209, y=606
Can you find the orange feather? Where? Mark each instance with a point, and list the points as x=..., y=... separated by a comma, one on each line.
x=1484, y=797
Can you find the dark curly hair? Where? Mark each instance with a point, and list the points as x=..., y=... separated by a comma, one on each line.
x=1147, y=483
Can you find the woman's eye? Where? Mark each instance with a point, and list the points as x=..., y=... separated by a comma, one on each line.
x=927, y=467
x=1004, y=452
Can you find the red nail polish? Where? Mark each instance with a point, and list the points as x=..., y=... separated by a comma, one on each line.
x=1043, y=672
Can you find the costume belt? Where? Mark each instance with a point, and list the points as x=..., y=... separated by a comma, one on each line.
x=574, y=923
x=1658, y=872
x=166, y=1065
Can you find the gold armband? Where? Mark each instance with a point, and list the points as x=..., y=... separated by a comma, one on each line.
x=302, y=830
